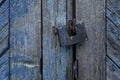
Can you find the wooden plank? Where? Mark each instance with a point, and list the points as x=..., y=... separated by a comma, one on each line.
x=4, y=29
x=91, y=54
x=54, y=57
x=25, y=39
x=113, y=42
x=113, y=71
x=4, y=66
x=113, y=39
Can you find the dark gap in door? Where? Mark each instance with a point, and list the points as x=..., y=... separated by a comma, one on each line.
x=74, y=46
x=41, y=60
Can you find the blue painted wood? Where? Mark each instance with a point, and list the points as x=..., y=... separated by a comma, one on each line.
x=113, y=71
x=4, y=6
x=55, y=58
x=113, y=39
x=25, y=39
x=113, y=30
x=114, y=5
x=4, y=29
x=4, y=66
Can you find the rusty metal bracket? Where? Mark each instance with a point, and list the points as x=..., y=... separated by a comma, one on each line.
x=71, y=34
x=71, y=27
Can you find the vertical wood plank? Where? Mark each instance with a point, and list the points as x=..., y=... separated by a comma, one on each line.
x=113, y=39
x=91, y=54
x=25, y=39
x=4, y=33
x=54, y=57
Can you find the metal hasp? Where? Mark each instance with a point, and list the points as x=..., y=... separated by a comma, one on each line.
x=72, y=34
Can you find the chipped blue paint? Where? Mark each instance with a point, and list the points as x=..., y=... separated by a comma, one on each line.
x=19, y=61
x=24, y=57
x=18, y=8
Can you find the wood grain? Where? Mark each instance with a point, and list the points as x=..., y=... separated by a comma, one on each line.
x=4, y=66
x=4, y=33
x=113, y=71
x=91, y=54
x=113, y=30
x=113, y=42
x=25, y=39
x=4, y=28
x=113, y=39
x=54, y=57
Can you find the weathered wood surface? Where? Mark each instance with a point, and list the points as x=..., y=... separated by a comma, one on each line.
x=4, y=29
x=91, y=54
x=113, y=30
x=4, y=25
x=113, y=39
x=55, y=58
x=4, y=66
x=113, y=71
x=25, y=39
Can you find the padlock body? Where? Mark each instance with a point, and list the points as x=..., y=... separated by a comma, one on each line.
x=66, y=40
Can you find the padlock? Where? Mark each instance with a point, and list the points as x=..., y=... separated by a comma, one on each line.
x=66, y=40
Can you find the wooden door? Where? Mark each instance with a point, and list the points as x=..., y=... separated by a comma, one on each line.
x=30, y=50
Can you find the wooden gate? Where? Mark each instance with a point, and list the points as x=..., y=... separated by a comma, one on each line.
x=30, y=50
